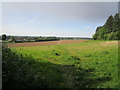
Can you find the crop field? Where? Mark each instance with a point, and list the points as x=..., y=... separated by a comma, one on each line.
x=85, y=64
x=44, y=43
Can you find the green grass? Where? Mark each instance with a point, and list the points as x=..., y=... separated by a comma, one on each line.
x=90, y=64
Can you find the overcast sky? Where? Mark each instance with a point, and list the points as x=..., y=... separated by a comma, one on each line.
x=55, y=18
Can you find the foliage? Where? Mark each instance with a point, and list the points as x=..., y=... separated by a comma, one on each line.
x=110, y=30
x=4, y=37
x=100, y=34
x=12, y=39
x=113, y=35
x=109, y=24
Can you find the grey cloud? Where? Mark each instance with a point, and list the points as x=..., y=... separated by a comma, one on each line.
x=60, y=0
x=95, y=12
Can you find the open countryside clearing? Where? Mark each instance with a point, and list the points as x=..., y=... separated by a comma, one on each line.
x=82, y=64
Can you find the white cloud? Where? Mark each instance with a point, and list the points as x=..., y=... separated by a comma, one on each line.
x=87, y=27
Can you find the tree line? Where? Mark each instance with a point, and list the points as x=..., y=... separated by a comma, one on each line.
x=110, y=30
x=27, y=38
x=18, y=39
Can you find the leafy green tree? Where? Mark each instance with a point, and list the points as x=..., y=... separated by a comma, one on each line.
x=4, y=37
x=110, y=30
x=116, y=25
x=95, y=37
x=100, y=34
x=109, y=24
x=113, y=36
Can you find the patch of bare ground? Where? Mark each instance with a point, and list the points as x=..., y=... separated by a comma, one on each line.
x=45, y=43
x=111, y=42
x=108, y=43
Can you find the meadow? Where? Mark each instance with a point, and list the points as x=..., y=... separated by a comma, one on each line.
x=89, y=64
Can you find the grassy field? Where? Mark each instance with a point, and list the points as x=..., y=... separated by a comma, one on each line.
x=89, y=64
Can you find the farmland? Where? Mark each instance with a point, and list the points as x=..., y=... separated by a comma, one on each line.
x=61, y=64
x=44, y=43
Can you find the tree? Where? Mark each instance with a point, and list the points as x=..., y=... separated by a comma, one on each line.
x=110, y=30
x=116, y=25
x=36, y=39
x=12, y=39
x=95, y=37
x=109, y=24
x=4, y=37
